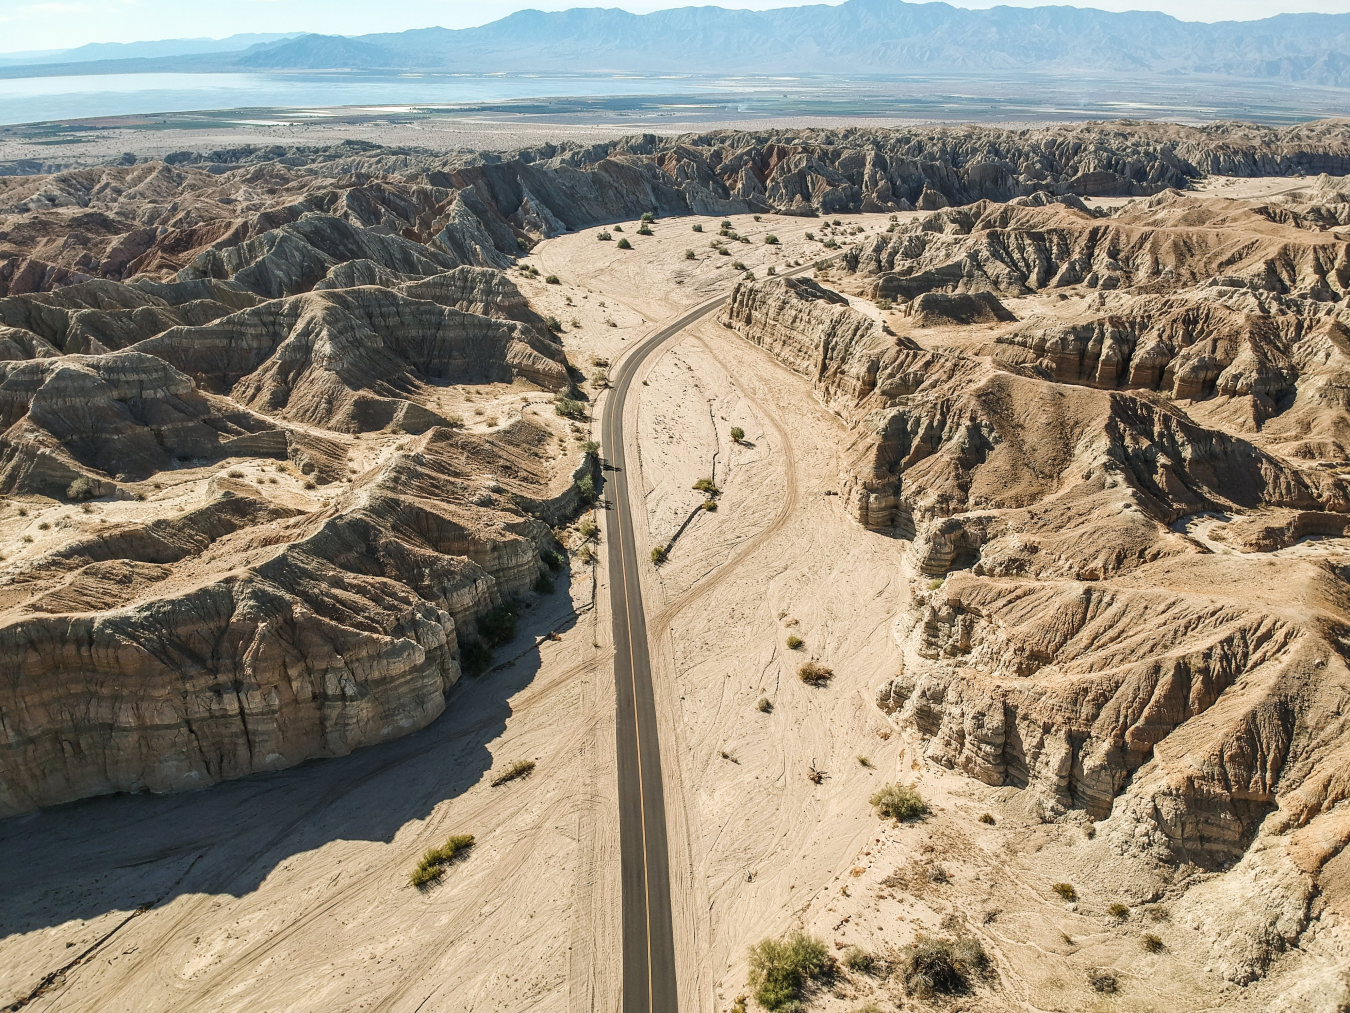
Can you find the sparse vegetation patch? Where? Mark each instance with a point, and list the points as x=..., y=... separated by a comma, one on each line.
x=935, y=966
x=434, y=862
x=781, y=968
x=521, y=768
x=899, y=802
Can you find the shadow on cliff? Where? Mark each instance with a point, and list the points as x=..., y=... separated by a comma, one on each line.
x=119, y=852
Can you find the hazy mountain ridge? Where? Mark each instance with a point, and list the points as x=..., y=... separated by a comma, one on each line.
x=860, y=36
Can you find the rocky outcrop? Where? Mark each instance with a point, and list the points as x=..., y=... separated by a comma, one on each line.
x=350, y=359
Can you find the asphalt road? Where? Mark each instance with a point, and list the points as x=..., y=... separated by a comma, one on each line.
x=648, y=938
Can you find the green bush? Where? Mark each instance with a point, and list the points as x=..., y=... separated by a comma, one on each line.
x=765, y=705
x=434, y=862
x=899, y=802
x=771, y=240
x=690, y=255
x=1118, y=910
x=588, y=530
x=814, y=674
x=604, y=237
x=624, y=244
x=811, y=236
x=722, y=251
x=737, y=433
x=987, y=818
x=644, y=230
x=618, y=228
x=936, y=966
x=568, y=408
x=698, y=228
x=710, y=505
x=555, y=561
x=780, y=969
x=552, y=279
x=591, y=449
x=521, y=768
x=586, y=488
x=795, y=642
x=738, y=265
x=726, y=223
x=498, y=626
x=706, y=485
x=649, y=216
x=81, y=489
x=1151, y=943
x=553, y=324
x=659, y=555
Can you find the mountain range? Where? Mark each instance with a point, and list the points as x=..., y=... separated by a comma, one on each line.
x=859, y=37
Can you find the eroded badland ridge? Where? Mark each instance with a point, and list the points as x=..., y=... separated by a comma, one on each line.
x=1048, y=459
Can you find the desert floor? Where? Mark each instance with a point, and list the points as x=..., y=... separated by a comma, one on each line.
x=288, y=893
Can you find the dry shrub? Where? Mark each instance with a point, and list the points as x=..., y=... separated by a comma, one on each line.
x=815, y=674
x=521, y=768
x=936, y=966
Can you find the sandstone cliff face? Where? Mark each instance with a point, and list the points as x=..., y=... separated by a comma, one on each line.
x=1100, y=508
x=253, y=369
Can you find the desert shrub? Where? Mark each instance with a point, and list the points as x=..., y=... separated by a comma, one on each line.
x=645, y=230
x=1118, y=910
x=722, y=251
x=624, y=244
x=987, y=818
x=771, y=240
x=709, y=505
x=587, y=530
x=1065, y=890
x=82, y=488
x=434, y=862
x=568, y=408
x=600, y=378
x=659, y=555
x=737, y=433
x=836, y=223
x=521, y=768
x=814, y=674
x=935, y=966
x=884, y=304
x=1102, y=981
x=499, y=625
x=309, y=484
x=555, y=561
x=772, y=271
x=899, y=802
x=811, y=236
x=706, y=485
x=23, y=511
x=738, y=265
x=604, y=237
x=552, y=279
x=743, y=239
x=765, y=705
x=1150, y=942
x=759, y=218
x=586, y=488
x=591, y=449
x=794, y=641
x=698, y=228
x=726, y=223
x=44, y=526
x=234, y=473
x=26, y=539
x=748, y=276
x=859, y=960
x=553, y=324
x=649, y=216
x=781, y=968
x=831, y=244
x=690, y=255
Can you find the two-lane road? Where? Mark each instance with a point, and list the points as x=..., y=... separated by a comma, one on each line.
x=648, y=938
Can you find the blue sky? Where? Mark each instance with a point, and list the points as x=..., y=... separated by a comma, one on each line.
x=53, y=24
